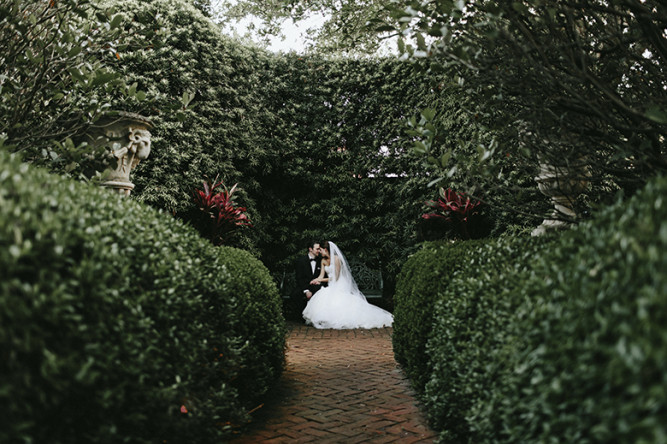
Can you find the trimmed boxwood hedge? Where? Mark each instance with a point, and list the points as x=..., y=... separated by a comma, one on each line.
x=468, y=330
x=589, y=358
x=422, y=279
x=116, y=318
x=557, y=339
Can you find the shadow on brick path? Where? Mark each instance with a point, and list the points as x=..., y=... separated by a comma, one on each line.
x=340, y=386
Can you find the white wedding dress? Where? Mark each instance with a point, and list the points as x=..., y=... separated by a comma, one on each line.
x=341, y=305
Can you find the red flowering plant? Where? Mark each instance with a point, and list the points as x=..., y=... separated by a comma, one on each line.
x=223, y=216
x=456, y=209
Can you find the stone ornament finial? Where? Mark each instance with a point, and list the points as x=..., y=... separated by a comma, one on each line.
x=562, y=183
x=128, y=135
x=137, y=149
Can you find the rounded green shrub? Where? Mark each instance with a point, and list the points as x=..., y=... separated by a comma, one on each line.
x=259, y=321
x=590, y=352
x=422, y=280
x=469, y=331
x=555, y=339
x=120, y=324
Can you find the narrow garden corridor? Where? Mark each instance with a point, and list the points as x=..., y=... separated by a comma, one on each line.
x=340, y=386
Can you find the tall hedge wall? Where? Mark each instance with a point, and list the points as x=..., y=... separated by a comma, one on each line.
x=317, y=144
x=557, y=339
x=120, y=324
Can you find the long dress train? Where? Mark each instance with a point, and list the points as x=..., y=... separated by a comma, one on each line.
x=341, y=305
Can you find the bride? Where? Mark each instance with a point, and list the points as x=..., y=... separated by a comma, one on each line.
x=341, y=305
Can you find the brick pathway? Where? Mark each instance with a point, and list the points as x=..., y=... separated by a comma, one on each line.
x=340, y=386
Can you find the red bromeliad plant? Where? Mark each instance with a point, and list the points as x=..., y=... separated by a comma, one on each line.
x=224, y=216
x=455, y=208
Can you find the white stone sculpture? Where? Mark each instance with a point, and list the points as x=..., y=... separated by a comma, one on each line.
x=562, y=184
x=128, y=135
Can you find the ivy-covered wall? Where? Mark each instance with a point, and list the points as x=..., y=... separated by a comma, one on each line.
x=343, y=170
x=318, y=145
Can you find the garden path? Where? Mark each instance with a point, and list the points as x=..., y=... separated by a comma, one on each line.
x=340, y=386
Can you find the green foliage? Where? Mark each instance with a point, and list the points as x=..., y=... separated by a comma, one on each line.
x=581, y=80
x=552, y=339
x=343, y=173
x=259, y=323
x=587, y=362
x=420, y=286
x=468, y=333
x=114, y=315
x=302, y=134
x=219, y=132
x=57, y=78
x=317, y=145
x=465, y=132
x=467, y=144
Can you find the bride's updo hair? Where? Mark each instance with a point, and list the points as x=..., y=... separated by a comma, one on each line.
x=325, y=245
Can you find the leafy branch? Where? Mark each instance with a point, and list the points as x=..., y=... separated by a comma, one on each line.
x=57, y=77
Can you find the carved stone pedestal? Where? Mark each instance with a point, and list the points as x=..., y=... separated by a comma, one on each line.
x=562, y=184
x=128, y=135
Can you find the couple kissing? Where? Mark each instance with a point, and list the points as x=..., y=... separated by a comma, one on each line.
x=309, y=272
x=333, y=300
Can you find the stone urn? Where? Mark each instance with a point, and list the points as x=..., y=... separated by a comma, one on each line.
x=129, y=139
x=561, y=183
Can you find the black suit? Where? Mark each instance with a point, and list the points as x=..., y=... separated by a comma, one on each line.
x=303, y=274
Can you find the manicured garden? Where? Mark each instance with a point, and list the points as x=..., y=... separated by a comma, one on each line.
x=157, y=317
x=559, y=338
x=120, y=322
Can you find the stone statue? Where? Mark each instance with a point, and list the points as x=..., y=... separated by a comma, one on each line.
x=562, y=183
x=128, y=135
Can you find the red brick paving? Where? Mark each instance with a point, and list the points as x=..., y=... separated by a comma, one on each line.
x=340, y=386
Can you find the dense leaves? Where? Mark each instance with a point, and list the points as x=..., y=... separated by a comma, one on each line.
x=57, y=78
x=469, y=332
x=553, y=339
x=589, y=340
x=120, y=324
x=420, y=285
x=562, y=83
x=317, y=145
x=579, y=81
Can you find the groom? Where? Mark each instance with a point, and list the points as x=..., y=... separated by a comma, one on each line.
x=307, y=268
